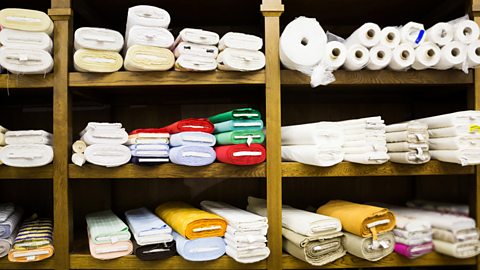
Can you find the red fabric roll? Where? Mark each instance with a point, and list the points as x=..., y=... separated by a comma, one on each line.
x=191, y=124
x=149, y=130
x=226, y=154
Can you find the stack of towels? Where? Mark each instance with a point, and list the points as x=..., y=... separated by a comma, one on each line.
x=27, y=148
x=446, y=208
x=196, y=50
x=10, y=216
x=152, y=238
x=246, y=232
x=407, y=143
x=97, y=50
x=149, y=146
x=34, y=241
x=239, y=134
x=310, y=237
x=148, y=39
x=102, y=144
x=368, y=229
x=198, y=234
x=108, y=236
x=26, y=42
x=240, y=52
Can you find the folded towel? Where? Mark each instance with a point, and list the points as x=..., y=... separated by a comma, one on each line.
x=240, y=60
x=28, y=137
x=147, y=16
x=196, y=50
x=201, y=249
x=7, y=243
x=238, y=124
x=191, y=222
x=300, y=221
x=455, y=143
x=147, y=228
x=236, y=217
x=415, y=251
x=241, y=154
x=192, y=155
x=448, y=208
x=408, y=136
x=109, y=251
x=34, y=241
x=313, y=155
x=26, y=20
x=460, y=250
x=412, y=157
x=105, y=136
x=240, y=41
x=236, y=114
x=26, y=40
x=360, y=219
x=25, y=61
x=106, y=227
x=192, y=138
x=452, y=119
x=454, y=131
x=155, y=251
x=79, y=159
x=463, y=157
x=240, y=137
x=368, y=158
x=148, y=58
x=10, y=220
x=412, y=126
x=79, y=147
x=149, y=161
x=368, y=248
x=190, y=124
x=321, y=134
x=197, y=36
x=459, y=236
x=87, y=60
x=108, y=155
x=187, y=62
x=149, y=36
x=26, y=155
x=98, y=39
x=248, y=255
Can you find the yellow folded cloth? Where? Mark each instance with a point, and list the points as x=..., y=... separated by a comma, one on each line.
x=26, y=20
x=86, y=60
x=191, y=222
x=360, y=219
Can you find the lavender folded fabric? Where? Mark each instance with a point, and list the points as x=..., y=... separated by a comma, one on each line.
x=413, y=252
x=192, y=138
x=192, y=155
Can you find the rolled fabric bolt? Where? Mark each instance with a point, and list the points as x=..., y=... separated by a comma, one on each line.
x=403, y=57
x=466, y=31
x=78, y=159
x=390, y=37
x=427, y=55
x=413, y=33
x=357, y=58
x=79, y=147
x=368, y=35
x=336, y=55
x=440, y=34
x=473, y=55
x=453, y=54
x=380, y=57
x=1, y=147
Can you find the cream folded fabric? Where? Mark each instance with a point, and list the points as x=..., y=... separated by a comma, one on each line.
x=411, y=157
x=87, y=60
x=413, y=126
x=3, y=129
x=195, y=63
x=320, y=134
x=313, y=155
x=98, y=39
x=197, y=36
x=147, y=16
x=460, y=250
x=463, y=157
x=452, y=119
x=28, y=137
x=240, y=41
x=149, y=36
x=26, y=155
x=105, y=136
x=108, y=155
x=248, y=255
x=245, y=234
x=2, y=139
x=26, y=20
x=455, y=143
x=459, y=236
x=367, y=249
x=368, y=158
x=367, y=148
x=25, y=61
x=240, y=60
x=19, y=39
x=246, y=238
x=355, y=140
x=196, y=49
x=236, y=217
x=148, y=58
x=370, y=122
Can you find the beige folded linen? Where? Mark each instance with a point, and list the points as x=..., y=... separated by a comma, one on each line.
x=26, y=20
x=460, y=250
x=367, y=248
x=86, y=60
x=451, y=237
x=148, y=58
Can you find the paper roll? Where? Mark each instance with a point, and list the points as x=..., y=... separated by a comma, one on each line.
x=368, y=35
x=427, y=55
x=336, y=55
x=473, y=54
x=357, y=58
x=380, y=57
x=78, y=159
x=466, y=31
x=451, y=55
x=390, y=37
x=403, y=57
x=413, y=33
x=440, y=34
x=79, y=147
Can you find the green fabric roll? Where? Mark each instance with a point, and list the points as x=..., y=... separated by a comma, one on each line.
x=227, y=138
x=244, y=113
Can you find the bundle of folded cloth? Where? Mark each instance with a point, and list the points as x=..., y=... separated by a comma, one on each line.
x=310, y=237
x=196, y=50
x=34, y=241
x=10, y=216
x=108, y=236
x=2, y=140
x=447, y=208
x=239, y=134
x=97, y=50
x=408, y=143
x=240, y=52
x=198, y=234
x=152, y=238
x=27, y=148
x=147, y=39
x=149, y=146
x=368, y=229
x=26, y=41
x=246, y=232
x=102, y=144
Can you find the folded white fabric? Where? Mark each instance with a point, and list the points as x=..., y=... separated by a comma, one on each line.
x=321, y=134
x=240, y=60
x=149, y=36
x=147, y=228
x=26, y=61
x=452, y=119
x=197, y=36
x=196, y=49
x=368, y=158
x=248, y=255
x=108, y=155
x=186, y=62
x=453, y=131
x=192, y=138
x=87, y=60
x=102, y=125
x=236, y=217
x=367, y=148
x=26, y=155
x=411, y=224
x=449, y=208
x=461, y=250
x=372, y=122
x=26, y=20
x=407, y=147
x=240, y=41
x=147, y=16
x=364, y=138
x=313, y=155
x=408, y=136
x=148, y=58
x=455, y=143
x=28, y=137
x=150, y=150
x=105, y=136
x=463, y=157
x=411, y=157
x=25, y=40
x=98, y=39
x=247, y=235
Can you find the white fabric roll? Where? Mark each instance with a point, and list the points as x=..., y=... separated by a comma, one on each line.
x=390, y=37
x=412, y=157
x=108, y=155
x=473, y=55
x=78, y=159
x=240, y=41
x=79, y=147
x=325, y=134
x=380, y=57
x=196, y=49
x=105, y=136
x=313, y=155
x=197, y=36
x=406, y=147
x=195, y=63
x=466, y=31
x=86, y=60
x=368, y=35
x=98, y=39
x=464, y=157
x=452, y=54
x=28, y=137
x=410, y=136
x=455, y=143
x=427, y=55
x=240, y=60
x=368, y=158
x=25, y=61
x=357, y=58
x=147, y=16
x=336, y=54
x=26, y=20
x=26, y=155
x=25, y=40
x=149, y=36
x=403, y=57
x=413, y=33
x=440, y=34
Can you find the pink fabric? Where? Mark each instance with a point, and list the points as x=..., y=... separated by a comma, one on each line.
x=109, y=255
x=413, y=252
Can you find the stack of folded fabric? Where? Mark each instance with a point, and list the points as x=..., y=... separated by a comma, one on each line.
x=447, y=208
x=239, y=133
x=149, y=146
x=196, y=50
x=97, y=50
x=153, y=238
x=198, y=234
x=26, y=43
x=148, y=39
x=27, y=148
x=310, y=237
x=367, y=228
x=246, y=232
x=240, y=52
x=365, y=140
x=104, y=145
x=454, y=137
x=34, y=241
x=318, y=144
x=2, y=140
x=108, y=236
x=10, y=216
x=408, y=143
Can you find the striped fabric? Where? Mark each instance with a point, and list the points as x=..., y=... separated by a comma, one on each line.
x=106, y=227
x=34, y=234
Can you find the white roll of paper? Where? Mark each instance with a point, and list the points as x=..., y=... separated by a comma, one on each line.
x=473, y=54
x=453, y=54
x=466, y=31
x=413, y=33
x=390, y=37
x=336, y=55
x=368, y=35
x=403, y=57
x=380, y=57
x=357, y=58
x=427, y=55
x=440, y=34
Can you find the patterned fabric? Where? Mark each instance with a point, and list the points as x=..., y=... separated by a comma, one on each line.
x=106, y=227
x=34, y=241
x=9, y=219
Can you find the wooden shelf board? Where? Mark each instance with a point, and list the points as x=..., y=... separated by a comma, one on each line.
x=46, y=264
x=45, y=172
x=85, y=261
x=392, y=260
x=26, y=81
x=294, y=169
x=126, y=78
x=385, y=77
x=168, y=170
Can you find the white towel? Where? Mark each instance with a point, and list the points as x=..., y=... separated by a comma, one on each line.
x=248, y=256
x=320, y=134
x=196, y=49
x=313, y=155
x=98, y=39
x=240, y=41
x=25, y=61
x=455, y=143
x=464, y=157
x=453, y=131
x=452, y=119
x=195, y=63
x=28, y=137
x=147, y=16
x=149, y=36
x=197, y=36
x=236, y=217
x=368, y=158
x=108, y=155
x=25, y=40
x=105, y=136
x=26, y=155
x=240, y=60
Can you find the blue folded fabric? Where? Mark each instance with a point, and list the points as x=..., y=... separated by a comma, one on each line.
x=192, y=155
x=143, y=222
x=234, y=125
x=201, y=249
x=192, y=138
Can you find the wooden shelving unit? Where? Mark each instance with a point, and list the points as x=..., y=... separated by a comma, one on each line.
x=26, y=81
x=45, y=172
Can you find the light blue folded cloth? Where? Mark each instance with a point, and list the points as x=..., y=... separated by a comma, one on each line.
x=201, y=249
x=234, y=125
x=192, y=155
x=10, y=220
x=192, y=138
x=143, y=222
